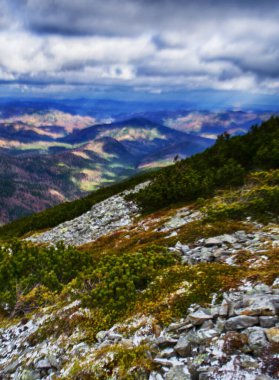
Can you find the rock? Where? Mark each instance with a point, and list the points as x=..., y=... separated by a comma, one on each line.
x=256, y=305
x=155, y=376
x=248, y=362
x=207, y=325
x=199, y=316
x=218, y=253
x=183, y=346
x=163, y=342
x=163, y=362
x=43, y=364
x=273, y=334
x=101, y=335
x=224, y=308
x=179, y=326
x=268, y=321
x=177, y=373
x=80, y=348
x=10, y=368
x=276, y=283
x=29, y=375
x=113, y=336
x=227, y=239
x=212, y=242
x=168, y=353
x=241, y=322
x=256, y=339
x=220, y=324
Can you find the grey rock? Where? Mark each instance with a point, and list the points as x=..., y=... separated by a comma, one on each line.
x=43, y=364
x=199, y=316
x=177, y=373
x=207, y=325
x=80, y=348
x=28, y=375
x=183, y=346
x=257, y=305
x=101, y=335
x=155, y=376
x=213, y=242
x=241, y=322
x=163, y=362
x=268, y=321
x=256, y=339
x=227, y=239
x=113, y=336
x=10, y=368
x=164, y=341
x=224, y=308
x=167, y=353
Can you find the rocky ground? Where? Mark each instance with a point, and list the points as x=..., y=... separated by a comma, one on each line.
x=236, y=337
x=103, y=218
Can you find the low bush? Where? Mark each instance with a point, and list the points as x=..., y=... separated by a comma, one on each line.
x=25, y=268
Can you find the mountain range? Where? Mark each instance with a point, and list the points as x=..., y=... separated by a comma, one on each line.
x=41, y=166
x=52, y=152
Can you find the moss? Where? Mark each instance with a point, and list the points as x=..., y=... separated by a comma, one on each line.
x=177, y=287
x=127, y=363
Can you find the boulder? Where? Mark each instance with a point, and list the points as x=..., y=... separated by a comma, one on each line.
x=241, y=322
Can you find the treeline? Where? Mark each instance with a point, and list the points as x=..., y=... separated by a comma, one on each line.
x=223, y=165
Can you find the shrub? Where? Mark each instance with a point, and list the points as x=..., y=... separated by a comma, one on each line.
x=24, y=267
x=114, y=284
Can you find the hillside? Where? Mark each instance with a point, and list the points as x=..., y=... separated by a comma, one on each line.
x=187, y=291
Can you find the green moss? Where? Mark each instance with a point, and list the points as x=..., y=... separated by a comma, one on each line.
x=177, y=287
x=128, y=363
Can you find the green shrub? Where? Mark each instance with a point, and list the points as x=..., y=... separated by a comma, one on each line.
x=223, y=165
x=114, y=284
x=24, y=267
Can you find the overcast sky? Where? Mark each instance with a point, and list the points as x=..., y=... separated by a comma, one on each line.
x=139, y=46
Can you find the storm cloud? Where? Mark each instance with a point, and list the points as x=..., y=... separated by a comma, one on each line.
x=159, y=45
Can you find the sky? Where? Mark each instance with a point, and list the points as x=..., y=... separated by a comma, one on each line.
x=141, y=49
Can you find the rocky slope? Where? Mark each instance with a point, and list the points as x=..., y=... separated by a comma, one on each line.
x=234, y=335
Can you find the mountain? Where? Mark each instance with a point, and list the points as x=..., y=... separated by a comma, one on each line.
x=35, y=182
x=140, y=136
x=80, y=161
x=187, y=290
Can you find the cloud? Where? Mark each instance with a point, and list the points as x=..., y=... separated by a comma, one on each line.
x=159, y=45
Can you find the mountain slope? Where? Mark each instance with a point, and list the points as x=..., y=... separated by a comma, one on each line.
x=184, y=293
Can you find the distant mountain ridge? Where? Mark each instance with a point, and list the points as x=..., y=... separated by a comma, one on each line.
x=42, y=169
